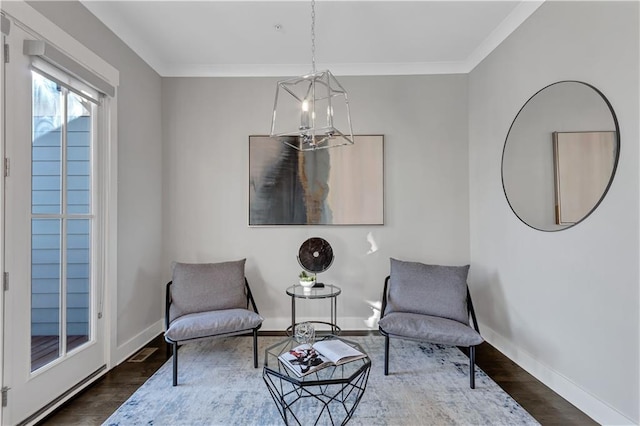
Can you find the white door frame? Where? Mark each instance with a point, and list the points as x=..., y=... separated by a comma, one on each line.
x=2, y=183
x=24, y=16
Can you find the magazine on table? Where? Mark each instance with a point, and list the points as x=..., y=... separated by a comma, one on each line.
x=306, y=359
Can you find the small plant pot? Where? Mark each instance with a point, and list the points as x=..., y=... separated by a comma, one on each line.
x=307, y=284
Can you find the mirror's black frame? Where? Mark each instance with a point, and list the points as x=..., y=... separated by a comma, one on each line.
x=615, y=163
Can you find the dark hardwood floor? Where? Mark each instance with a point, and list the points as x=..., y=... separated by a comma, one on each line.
x=95, y=404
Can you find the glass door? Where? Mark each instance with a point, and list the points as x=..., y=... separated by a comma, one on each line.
x=61, y=220
x=54, y=339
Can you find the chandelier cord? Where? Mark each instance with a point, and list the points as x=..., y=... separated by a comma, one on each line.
x=313, y=36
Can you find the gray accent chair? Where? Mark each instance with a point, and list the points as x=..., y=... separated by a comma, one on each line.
x=429, y=303
x=209, y=300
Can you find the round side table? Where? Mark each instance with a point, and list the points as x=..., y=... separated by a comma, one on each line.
x=329, y=291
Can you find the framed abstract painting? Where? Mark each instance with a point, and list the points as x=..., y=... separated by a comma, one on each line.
x=338, y=186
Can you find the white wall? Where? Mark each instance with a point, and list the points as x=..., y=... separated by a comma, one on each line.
x=206, y=124
x=140, y=232
x=564, y=305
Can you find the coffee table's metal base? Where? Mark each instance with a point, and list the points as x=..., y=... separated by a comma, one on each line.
x=328, y=396
x=316, y=403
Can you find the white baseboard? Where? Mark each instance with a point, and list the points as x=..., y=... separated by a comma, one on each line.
x=598, y=410
x=133, y=345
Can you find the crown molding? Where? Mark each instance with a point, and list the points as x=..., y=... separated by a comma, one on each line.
x=517, y=16
x=283, y=70
x=125, y=33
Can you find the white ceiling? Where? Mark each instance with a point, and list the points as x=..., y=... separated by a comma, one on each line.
x=272, y=38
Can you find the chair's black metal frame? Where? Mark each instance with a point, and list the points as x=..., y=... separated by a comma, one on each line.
x=472, y=349
x=175, y=344
x=338, y=390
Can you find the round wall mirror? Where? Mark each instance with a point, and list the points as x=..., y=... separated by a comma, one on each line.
x=560, y=155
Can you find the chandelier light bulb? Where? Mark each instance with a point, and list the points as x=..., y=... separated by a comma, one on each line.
x=304, y=117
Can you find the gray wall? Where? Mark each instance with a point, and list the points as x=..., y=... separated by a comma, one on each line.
x=140, y=232
x=562, y=304
x=206, y=124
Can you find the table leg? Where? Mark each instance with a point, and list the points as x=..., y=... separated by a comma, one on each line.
x=293, y=316
x=334, y=314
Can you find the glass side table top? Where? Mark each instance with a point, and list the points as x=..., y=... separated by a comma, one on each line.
x=329, y=290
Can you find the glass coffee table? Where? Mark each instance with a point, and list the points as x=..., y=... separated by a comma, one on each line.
x=327, y=396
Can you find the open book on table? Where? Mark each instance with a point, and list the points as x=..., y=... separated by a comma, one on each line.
x=306, y=359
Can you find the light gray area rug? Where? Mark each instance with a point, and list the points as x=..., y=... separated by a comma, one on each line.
x=217, y=385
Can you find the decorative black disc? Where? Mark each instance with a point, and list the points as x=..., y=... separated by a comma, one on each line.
x=315, y=255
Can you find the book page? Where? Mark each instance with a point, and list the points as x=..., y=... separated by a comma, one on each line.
x=338, y=351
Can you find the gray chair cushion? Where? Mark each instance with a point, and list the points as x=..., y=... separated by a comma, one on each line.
x=429, y=290
x=201, y=287
x=206, y=324
x=429, y=329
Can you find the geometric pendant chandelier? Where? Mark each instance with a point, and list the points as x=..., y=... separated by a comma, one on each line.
x=311, y=112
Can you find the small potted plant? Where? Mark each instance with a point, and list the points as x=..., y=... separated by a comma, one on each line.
x=307, y=281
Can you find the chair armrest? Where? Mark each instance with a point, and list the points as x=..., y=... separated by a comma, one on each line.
x=384, y=296
x=250, y=297
x=167, y=304
x=472, y=312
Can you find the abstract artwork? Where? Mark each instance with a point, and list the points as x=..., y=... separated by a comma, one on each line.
x=338, y=186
